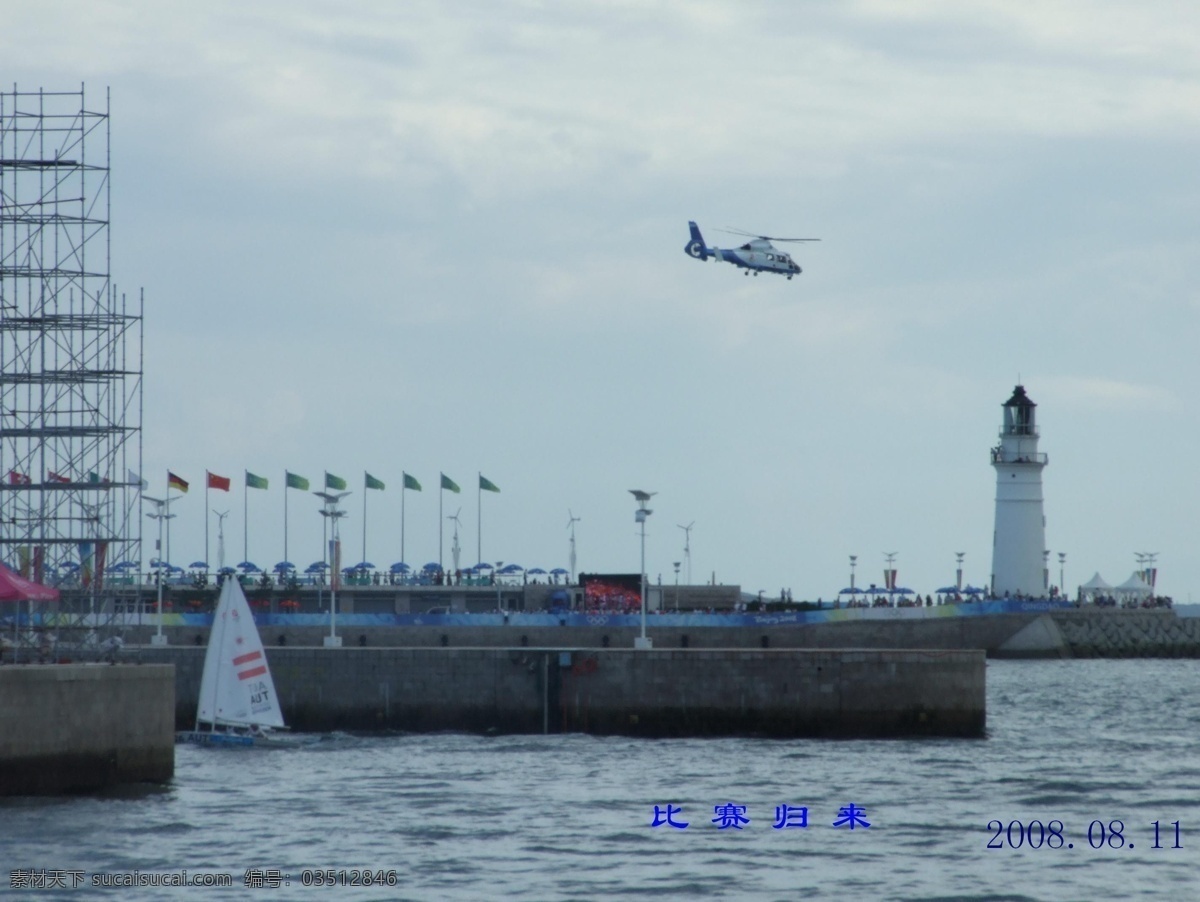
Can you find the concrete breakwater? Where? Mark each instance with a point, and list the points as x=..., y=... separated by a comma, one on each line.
x=1059, y=632
x=726, y=692
x=1127, y=634
x=78, y=727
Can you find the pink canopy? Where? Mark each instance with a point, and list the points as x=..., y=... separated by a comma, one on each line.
x=17, y=588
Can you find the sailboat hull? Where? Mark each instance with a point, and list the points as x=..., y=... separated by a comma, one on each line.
x=201, y=737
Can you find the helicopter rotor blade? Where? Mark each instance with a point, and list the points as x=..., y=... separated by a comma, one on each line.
x=763, y=237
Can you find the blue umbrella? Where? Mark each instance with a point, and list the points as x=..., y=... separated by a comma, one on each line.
x=155, y=562
x=226, y=571
x=400, y=567
x=559, y=571
x=123, y=565
x=364, y=565
x=284, y=566
x=432, y=567
x=247, y=565
x=948, y=590
x=875, y=590
x=199, y=565
x=854, y=591
x=346, y=571
x=483, y=566
x=511, y=568
x=536, y=570
x=316, y=565
x=971, y=590
x=903, y=591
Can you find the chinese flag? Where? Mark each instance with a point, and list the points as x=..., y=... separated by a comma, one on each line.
x=221, y=483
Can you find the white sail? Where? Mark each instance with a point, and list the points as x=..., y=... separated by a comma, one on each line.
x=236, y=688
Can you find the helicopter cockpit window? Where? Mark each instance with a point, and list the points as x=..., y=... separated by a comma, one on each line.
x=744, y=247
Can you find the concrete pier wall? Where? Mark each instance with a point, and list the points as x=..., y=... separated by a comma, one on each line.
x=1087, y=632
x=692, y=692
x=79, y=727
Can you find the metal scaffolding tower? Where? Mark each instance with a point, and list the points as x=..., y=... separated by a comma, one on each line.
x=70, y=350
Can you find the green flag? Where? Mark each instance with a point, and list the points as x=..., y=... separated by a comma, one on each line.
x=410, y=482
x=255, y=482
x=487, y=485
x=448, y=483
x=373, y=483
x=335, y=482
x=295, y=482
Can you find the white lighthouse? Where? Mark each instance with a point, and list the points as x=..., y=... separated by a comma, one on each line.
x=1020, y=535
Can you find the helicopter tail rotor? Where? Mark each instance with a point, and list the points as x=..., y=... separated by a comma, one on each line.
x=696, y=247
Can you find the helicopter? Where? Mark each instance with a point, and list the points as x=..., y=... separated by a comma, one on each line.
x=755, y=256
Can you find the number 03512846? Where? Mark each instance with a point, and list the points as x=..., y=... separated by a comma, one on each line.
x=1100, y=834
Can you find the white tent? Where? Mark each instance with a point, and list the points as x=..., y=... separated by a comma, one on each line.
x=1096, y=584
x=1135, y=585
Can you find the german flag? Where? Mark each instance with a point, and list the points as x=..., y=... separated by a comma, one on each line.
x=174, y=482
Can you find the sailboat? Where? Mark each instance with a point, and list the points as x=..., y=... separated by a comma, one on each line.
x=238, y=704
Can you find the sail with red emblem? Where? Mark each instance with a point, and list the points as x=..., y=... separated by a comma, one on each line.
x=236, y=689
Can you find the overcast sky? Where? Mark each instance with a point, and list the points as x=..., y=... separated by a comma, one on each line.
x=448, y=236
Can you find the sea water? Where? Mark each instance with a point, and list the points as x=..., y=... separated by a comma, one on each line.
x=1060, y=801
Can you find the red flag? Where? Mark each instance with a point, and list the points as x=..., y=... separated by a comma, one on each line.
x=220, y=483
x=16, y=478
x=56, y=477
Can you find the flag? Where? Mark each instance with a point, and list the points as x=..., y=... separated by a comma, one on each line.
x=292, y=481
x=487, y=485
x=373, y=483
x=56, y=477
x=255, y=482
x=95, y=477
x=173, y=482
x=16, y=478
x=334, y=482
x=220, y=483
x=410, y=482
x=134, y=479
x=448, y=483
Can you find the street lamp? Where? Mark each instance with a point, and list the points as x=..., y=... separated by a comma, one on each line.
x=1062, y=564
x=677, y=586
x=853, y=564
x=1148, y=572
x=640, y=516
x=958, y=559
x=162, y=512
x=1046, y=570
x=332, y=515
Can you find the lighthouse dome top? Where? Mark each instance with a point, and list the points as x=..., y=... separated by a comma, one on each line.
x=1019, y=398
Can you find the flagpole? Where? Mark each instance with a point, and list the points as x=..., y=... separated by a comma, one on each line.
x=403, y=489
x=441, y=495
x=285, y=490
x=245, y=519
x=479, y=524
x=364, y=557
x=206, y=475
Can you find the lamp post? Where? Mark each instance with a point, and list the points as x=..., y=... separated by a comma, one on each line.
x=889, y=578
x=162, y=512
x=853, y=564
x=640, y=516
x=1046, y=570
x=958, y=559
x=677, y=586
x=1146, y=560
x=331, y=514
x=1062, y=565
